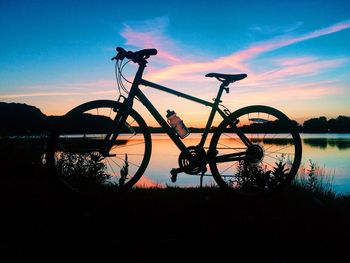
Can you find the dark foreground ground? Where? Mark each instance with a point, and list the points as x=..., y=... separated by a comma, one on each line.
x=41, y=220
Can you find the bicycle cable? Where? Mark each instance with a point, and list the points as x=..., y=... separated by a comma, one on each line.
x=226, y=110
x=121, y=70
x=119, y=67
x=116, y=76
x=119, y=78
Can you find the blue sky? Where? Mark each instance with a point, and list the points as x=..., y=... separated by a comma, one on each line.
x=56, y=54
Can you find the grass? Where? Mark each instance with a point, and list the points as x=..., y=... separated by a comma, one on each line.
x=307, y=221
x=314, y=180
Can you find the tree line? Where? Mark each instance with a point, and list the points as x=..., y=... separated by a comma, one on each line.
x=341, y=124
x=16, y=118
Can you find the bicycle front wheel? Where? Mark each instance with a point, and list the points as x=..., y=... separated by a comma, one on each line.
x=268, y=163
x=75, y=149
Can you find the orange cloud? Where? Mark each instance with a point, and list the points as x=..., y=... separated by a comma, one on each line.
x=75, y=89
x=37, y=94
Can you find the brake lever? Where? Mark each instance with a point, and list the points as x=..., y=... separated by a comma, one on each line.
x=118, y=56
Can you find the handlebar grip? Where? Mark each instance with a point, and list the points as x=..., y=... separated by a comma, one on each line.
x=149, y=52
x=136, y=56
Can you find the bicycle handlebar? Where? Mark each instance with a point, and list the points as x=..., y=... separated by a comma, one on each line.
x=137, y=56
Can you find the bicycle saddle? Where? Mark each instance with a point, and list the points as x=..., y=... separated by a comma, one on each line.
x=227, y=77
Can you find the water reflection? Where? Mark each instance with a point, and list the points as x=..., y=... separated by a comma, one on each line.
x=323, y=143
x=329, y=151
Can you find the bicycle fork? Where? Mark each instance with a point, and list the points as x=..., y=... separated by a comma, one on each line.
x=116, y=127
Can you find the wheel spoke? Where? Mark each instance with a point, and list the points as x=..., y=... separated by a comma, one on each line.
x=128, y=145
x=76, y=155
x=234, y=138
x=128, y=161
x=227, y=169
x=272, y=144
x=112, y=160
x=111, y=167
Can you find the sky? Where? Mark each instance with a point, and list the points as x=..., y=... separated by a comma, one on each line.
x=56, y=55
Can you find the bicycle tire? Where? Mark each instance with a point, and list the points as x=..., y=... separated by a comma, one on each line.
x=280, y=150
x=73, y=150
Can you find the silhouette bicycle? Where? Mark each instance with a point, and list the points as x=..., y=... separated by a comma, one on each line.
x=105, y=145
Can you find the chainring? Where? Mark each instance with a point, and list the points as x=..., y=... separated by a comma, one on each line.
x=194, y=162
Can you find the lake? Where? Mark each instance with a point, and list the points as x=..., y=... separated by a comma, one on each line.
x=330, y=152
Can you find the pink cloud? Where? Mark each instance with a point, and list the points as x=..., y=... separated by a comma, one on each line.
x=151, y=34
x=290, y=61
x=258, y=48
x=150, y=39
x=235, y=62
x=294, y=67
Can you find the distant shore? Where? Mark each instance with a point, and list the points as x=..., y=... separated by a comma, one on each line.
x=17, y=119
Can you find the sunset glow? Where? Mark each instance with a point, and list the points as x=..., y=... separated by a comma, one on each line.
x=298, y=63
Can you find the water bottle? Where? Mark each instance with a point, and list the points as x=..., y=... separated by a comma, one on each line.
x=176, y=123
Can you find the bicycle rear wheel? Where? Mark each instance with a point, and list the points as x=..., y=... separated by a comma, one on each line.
x=269, y=164
x=74, y=153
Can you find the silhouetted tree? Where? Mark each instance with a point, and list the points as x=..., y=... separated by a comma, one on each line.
x=316, y=125
x=340, y=124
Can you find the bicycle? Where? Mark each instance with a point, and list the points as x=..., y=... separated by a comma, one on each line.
x=106, y=145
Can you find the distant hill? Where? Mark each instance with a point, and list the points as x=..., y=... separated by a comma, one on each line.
x=21, y=119
x=17, y=118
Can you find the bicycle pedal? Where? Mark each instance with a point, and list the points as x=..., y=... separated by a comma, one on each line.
x=173, y=177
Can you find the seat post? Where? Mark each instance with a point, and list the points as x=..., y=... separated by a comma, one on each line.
x=223, y=86
x=214, y=109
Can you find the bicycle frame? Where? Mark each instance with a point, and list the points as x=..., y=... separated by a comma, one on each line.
x=136, y=92
x=215, y=108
